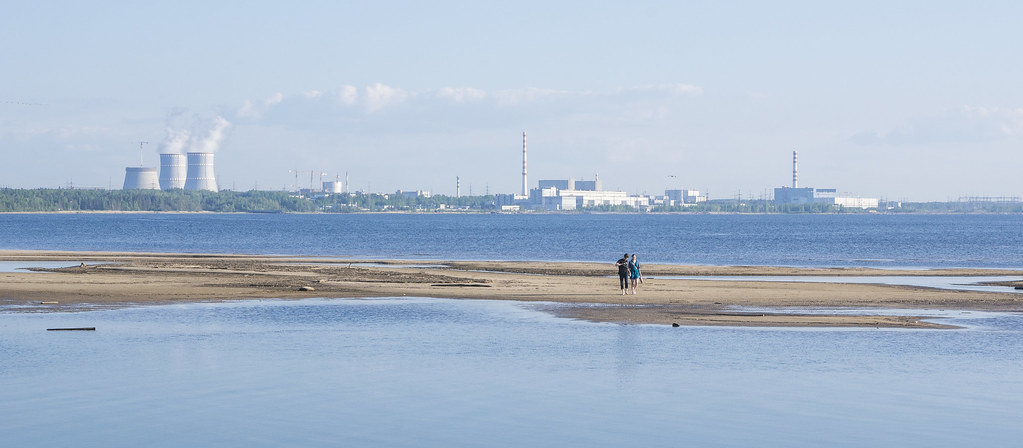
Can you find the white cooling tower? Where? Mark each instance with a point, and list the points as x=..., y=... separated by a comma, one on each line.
x=200, y=172
x=139, y=178
x=172, y=171
x=332, y=187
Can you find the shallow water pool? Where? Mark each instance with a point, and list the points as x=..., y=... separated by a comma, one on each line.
x=431, y=372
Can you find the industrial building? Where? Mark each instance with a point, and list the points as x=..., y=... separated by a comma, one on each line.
x=683, y=197
x=554, y=199
x=140, y=178
x=796, y=195
x=199, y=175
x=793, y=196
x=413, y=194
x=173, y=171
x=333, y=187
x=570, y=194
x=571, y=184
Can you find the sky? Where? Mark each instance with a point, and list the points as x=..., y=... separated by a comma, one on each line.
x=900, y=100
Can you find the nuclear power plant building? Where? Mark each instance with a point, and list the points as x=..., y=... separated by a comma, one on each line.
x=140, y=178
x=796, y=195
x=172, y=171
x=571, y=194
x=199, y=175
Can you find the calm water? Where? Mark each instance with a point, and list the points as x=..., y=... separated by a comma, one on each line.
x=425, y=372
x=989, y=241
x=428, y=372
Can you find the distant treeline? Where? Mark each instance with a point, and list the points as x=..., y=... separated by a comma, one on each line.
x=767, y=206
x=58, y=200
x=960, y=207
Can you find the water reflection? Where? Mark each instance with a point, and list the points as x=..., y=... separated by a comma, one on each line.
x=425, y=372
x=23, y=266
x=959, y=283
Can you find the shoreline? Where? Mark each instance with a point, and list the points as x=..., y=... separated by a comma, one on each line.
x=132, y=279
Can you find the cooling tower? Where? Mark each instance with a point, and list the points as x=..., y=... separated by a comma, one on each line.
x=333, y=187
x=139, y=178
x=172, y=171
x=200, y=172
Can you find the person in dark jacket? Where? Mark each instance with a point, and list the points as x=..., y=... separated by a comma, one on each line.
x=623, y=272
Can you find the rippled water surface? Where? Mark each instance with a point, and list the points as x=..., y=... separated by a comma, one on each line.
x=989, y=241
x=427, y=372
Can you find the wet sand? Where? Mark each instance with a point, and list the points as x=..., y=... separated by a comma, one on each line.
x=125, y=279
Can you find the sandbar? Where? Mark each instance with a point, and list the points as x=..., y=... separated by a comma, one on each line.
x=582, y=290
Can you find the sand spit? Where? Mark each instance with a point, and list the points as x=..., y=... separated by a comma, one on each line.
x=120, y=279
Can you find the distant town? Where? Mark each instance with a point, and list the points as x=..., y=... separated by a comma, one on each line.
x=187, y=183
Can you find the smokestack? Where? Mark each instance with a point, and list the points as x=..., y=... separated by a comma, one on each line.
x=525, y=188
x=172, y=171
x=200, y=172
x=795, y=171
x=458, y=187
x=139, y=178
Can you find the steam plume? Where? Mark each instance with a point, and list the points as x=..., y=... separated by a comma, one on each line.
x=213, y=138
x=175, y=141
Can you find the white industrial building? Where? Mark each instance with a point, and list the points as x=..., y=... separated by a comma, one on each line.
x=683, y=197
x=199, y=175
x=796, y=195
x=173, y=171
x=554, y=199
x=413, y=194
x=857, y=202
x=140, y=178
x=191, y=171
x=333, y=187
x=571, y=194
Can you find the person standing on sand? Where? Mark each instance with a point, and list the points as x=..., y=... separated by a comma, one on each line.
x=623, y=272
x=634, y=274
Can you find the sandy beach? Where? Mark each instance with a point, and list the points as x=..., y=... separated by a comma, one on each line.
x=589, y=289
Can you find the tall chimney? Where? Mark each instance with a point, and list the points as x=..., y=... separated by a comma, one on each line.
x=795, y=171
x=525, y=190
x=458, y=187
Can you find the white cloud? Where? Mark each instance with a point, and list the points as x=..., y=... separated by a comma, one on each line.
x=464, y=107
x=966, y=124
x=513, y=97
x=679, y=89
x=255, y=109
x=462, y=94
x=1008, y=121
x=348, y=95
x=379, y=96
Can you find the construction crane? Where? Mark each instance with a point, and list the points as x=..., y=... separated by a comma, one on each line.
x=141, y=144
x=312, y=173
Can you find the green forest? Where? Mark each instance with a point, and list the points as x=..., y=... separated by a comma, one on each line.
x=62, y=200
x=58, y=200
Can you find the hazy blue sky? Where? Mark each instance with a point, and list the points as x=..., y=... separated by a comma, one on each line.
x=917, y=100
